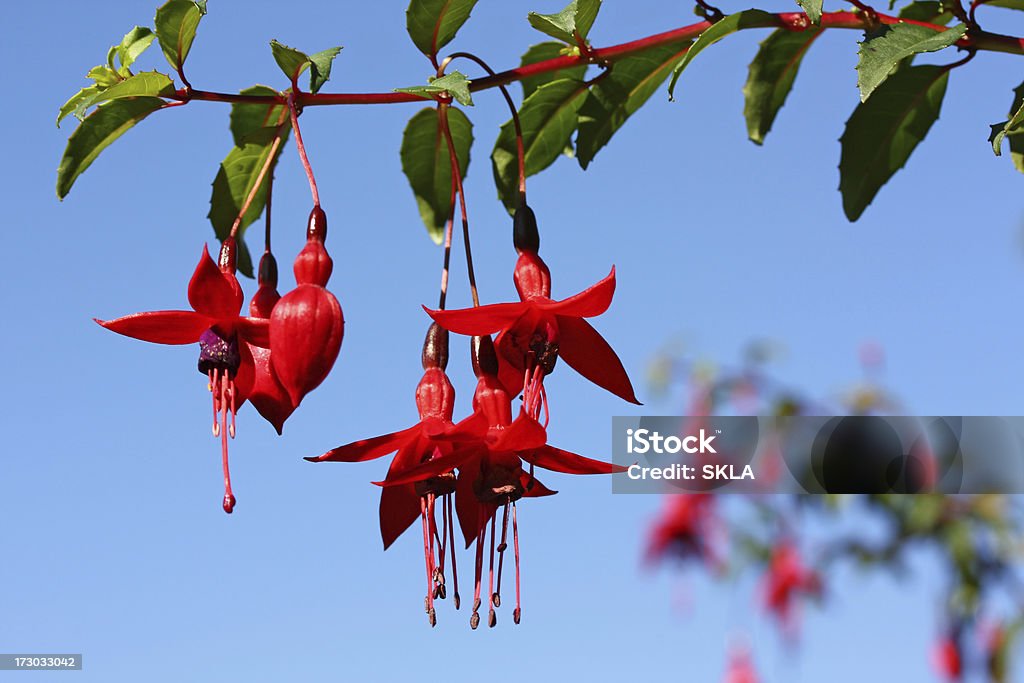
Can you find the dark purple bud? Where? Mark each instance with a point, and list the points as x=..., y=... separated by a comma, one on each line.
x=525, y=236
x=317, y=227
x=485, y=360
x=435, y=348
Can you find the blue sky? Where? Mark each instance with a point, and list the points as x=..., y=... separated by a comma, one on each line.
x=115, y=544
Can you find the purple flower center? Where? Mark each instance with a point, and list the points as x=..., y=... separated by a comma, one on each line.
x=218, y=353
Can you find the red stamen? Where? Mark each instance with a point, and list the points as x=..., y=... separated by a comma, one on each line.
x=450, y=524
x=491, y=618
x=213, y=386
x=474, y=619
x=429, y=601
x=496, y=597
x=224, y=386
x=518, y=612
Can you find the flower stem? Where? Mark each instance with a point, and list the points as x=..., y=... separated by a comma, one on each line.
x=267, y=165
x=442, y=110
x=294, y=111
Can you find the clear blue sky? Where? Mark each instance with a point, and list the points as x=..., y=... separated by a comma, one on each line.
x=114, y=544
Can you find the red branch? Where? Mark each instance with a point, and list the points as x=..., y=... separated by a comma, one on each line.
x=793, y=21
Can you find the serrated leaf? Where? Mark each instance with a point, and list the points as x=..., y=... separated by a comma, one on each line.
x=248, y=119
x=145, y=84
x=294, y=62
x=1012, y=128
x=433, y=23
x=930, y=11
x=455, y=84
x=812, y=8
x=103, y=76
x=882, y=51
x=427, y=166
x=541, y=52
x=548, y=118
x=95, y=134
x=771, y=77
x=1006, y=4
x=176, y=23
x=883, y=132
x=235, y=179
x=132, y=45
x=615, y=98
x=78, y=102
x=750, y=18
x=574, y=20
x=320, y=67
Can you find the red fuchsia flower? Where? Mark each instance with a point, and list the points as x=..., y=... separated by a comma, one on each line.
x=534, y=332
x=432, y=437
x=307, y=325
x=741, y=667
x=685, y=530
x=787, y=579
x=491, y=474
x=268, y=396
x=224, y=341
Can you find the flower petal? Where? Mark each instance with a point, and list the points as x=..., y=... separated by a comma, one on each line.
x=524, y=433
x=256, y=331
x=399, y=508
x=511, y=373
x=213, y=293
x=268, y=397
x=588, y=353
x=593, y=300
x=161, y=327
x=533, y=488
x=479, y=320
x=557, y=460
x=473, y=515
x=368, y=449
x=432, y=468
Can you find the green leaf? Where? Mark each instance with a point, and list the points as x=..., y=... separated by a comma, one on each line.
x=103, y=76
x=455, y=84
x=548, y=118
x=771, y=77
x=235, y=179
x=930, y=11
x=176, y=23
x=1012, y=129
x=812, y=8
x=882, y=132
x=248, y=119
x=541, y=52
x=571, y=23
x=132, y=45
x=96, y=132
x=1006, y=4
x=614, y=98
x=78, y=103
x=145, y=84
x=433, y=23
x=427, y=165
x=320, y=67
x=751, y=18
x=294, y=62
x=882, y=51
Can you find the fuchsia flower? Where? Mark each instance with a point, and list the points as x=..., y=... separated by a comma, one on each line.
x=741, y=667
x=947, y=658
x=534, y=332
x=685, y=530
x=224, y=337
x=787, y=579
x=268, y=396
x=491, y=474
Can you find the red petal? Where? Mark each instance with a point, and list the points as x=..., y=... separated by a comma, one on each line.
x=256, y=331
x=588, y=353
x=431, y=468
x=399, y=505
x=245, y=376
x=399, y=508
x=510, y=368
x=268, y=396
x=593, y=300
x=557, y=460
x=524, y=433
x=368, y=449
x=533, y=488
x=161, y=327
x=212, y=292
x=473, y=428
x=479, y=320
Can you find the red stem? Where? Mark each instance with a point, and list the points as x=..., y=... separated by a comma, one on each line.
x=793, y=21
x=293, y=109
x=442, y=111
